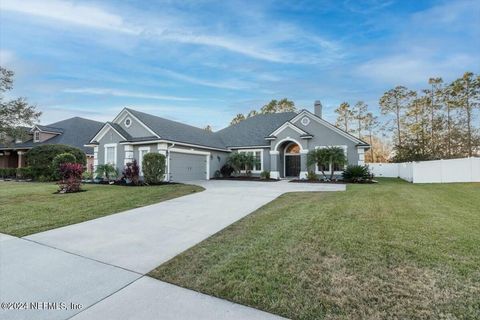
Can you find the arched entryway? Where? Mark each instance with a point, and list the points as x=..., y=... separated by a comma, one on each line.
x=291, y=160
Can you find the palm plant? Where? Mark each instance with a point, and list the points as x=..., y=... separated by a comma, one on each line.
x=336, y=157
x=106, y=170
x=242, y=161
x=327, y=158
x=320, y=158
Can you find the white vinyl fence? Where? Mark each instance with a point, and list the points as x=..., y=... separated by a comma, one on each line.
x=436, y=171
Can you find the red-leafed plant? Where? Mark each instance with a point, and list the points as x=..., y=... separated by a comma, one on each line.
x=131, y=173
x=71, y=177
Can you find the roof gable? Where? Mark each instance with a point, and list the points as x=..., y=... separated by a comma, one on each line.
x=46, y=129
x=328, y=125
x=179, y=132
x=288, y=125
x=126, y=112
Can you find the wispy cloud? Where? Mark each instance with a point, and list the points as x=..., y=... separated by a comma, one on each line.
x=122, y=93
x=258, y=46
x=225, y=84
x=80, y=14
x=412, y=69
x=6, y=57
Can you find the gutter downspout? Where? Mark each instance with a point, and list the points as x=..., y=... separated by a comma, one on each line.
x=168, y=161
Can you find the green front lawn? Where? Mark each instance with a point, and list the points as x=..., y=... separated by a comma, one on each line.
x=27, y=208
x=393, y=250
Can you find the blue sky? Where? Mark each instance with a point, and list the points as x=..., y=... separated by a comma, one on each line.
x=202, y=62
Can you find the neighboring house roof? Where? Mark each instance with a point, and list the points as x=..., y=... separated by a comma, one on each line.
x=178, y=132
x=75, y=132
x=252, y=131
x=47, y=129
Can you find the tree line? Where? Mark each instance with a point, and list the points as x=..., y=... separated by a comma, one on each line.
x=438, y=122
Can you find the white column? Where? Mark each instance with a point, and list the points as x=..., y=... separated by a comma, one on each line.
x=95, y=158
x=162, y=148
x=128, y=154
x=361, y=156
x=303, y=164
x=20, y=156
x=274, y=173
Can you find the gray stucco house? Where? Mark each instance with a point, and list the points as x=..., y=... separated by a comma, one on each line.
x=279, y=141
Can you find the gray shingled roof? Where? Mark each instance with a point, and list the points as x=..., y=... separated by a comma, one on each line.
x=49, y=129
x=76, y=132
x=120, y=130
x=179, y=132
x=252, y=131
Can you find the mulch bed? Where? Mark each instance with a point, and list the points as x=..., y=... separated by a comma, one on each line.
x=242, y=178
x=330, y=182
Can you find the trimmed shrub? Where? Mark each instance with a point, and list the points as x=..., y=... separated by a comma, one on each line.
x=24, y=173
x=131, y=173
x=40, y=158
x=71, y=177
x=265, y=175
x=59, y=160
x=357, y=173
x=226, y=170
x=8, y=173
x=153, y=167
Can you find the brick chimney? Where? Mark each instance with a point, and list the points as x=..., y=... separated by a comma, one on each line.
x=318, y=108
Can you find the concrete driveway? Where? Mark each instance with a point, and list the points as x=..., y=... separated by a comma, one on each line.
x=113, y=253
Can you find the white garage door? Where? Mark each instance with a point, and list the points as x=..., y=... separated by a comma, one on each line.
x=187, y=167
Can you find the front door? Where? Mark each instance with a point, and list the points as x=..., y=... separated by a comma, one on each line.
x=292, y=165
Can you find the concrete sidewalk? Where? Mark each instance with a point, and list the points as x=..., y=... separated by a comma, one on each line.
x=99, y=264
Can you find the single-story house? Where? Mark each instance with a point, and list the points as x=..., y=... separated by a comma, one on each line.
x=76, y=132
x=279, y=141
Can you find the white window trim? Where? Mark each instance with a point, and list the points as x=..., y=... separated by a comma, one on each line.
x=345, y=149
x=125, y=122
x=35, y=138
x=279, y=143
x=140, y=158
x=261, y=158
x=109, y=145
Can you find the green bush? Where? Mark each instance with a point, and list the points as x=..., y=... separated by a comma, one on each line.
x=153, y=167
x=356, y=173
x=226, y=170
x=8, y=173
x=312, y=176
x=40, y=158
x=59, y=160
x=24, y=173
x=265, y=175
x=87, y=175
